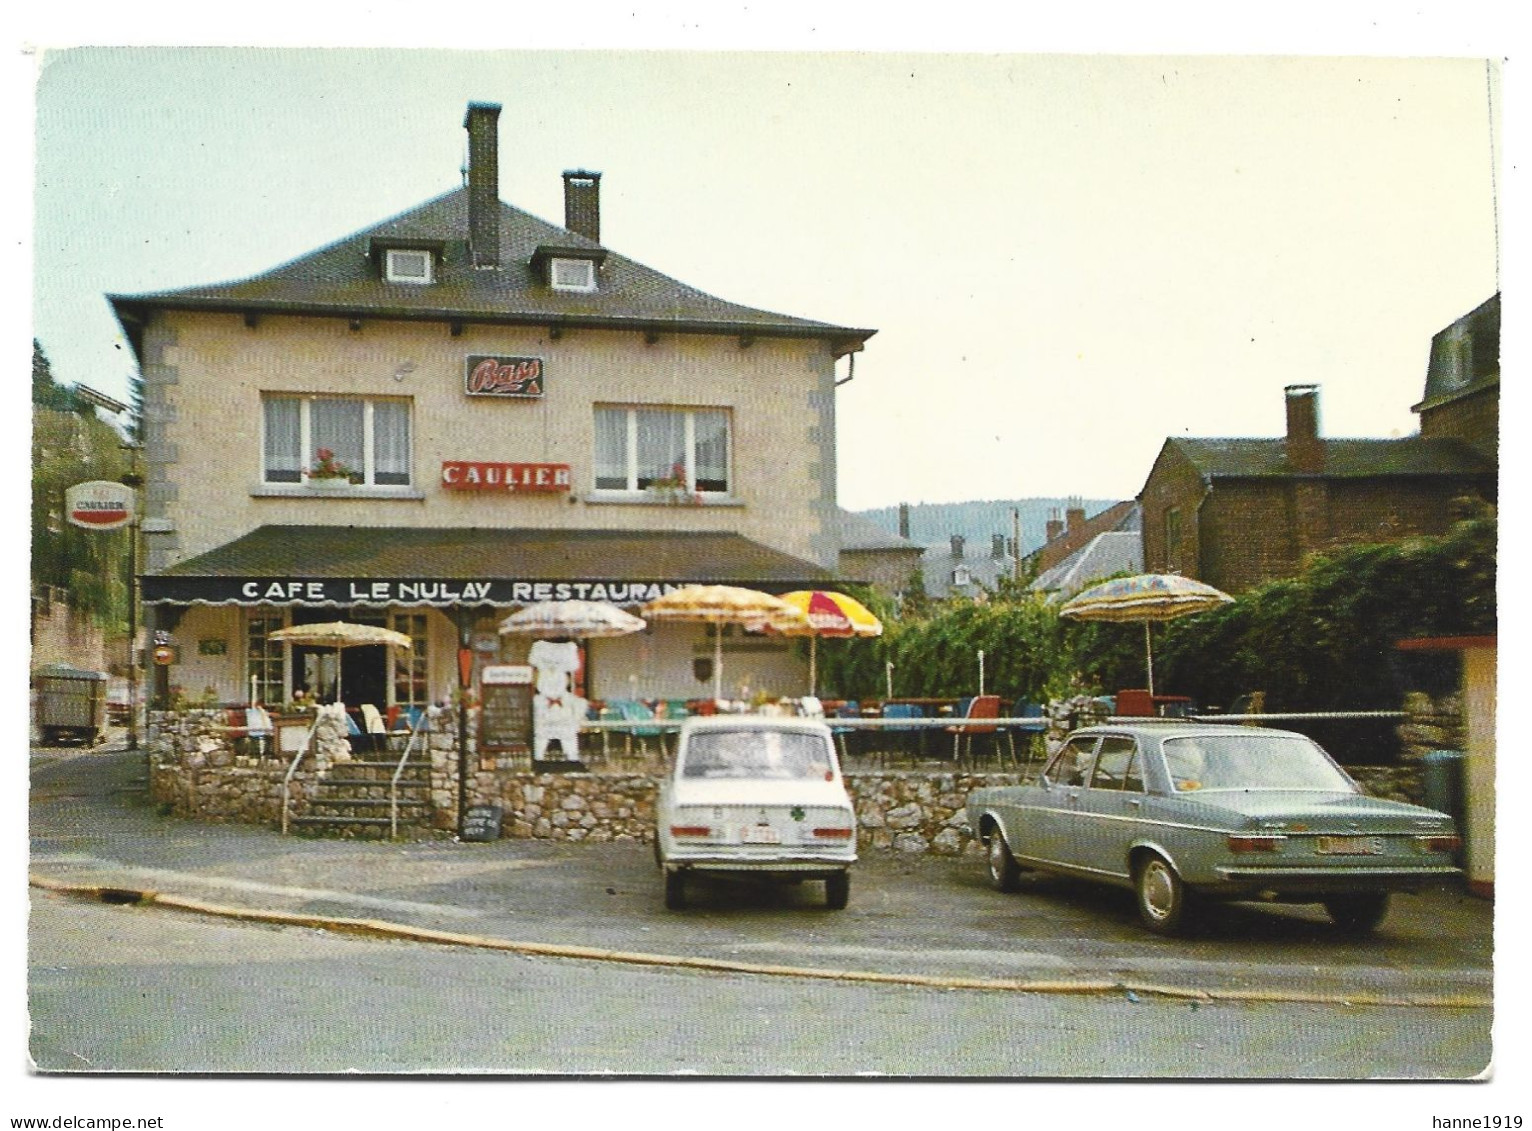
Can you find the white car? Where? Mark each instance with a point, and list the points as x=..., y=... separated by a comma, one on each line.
x=754, y=795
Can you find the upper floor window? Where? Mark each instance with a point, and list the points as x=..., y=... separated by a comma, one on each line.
x=662, y=449
x=363, y=439
x=1173, y=538
x=571, y=274
x=961, y=576
x=402, y=265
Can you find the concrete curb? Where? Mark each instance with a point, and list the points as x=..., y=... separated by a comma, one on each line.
x=380, y=928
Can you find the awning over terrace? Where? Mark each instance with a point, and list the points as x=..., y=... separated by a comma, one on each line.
x=445, y=567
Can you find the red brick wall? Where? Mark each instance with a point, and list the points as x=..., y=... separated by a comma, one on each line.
x=1474, y=418
x=1173, y=482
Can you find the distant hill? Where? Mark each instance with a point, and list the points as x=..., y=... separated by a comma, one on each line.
x=934, y=524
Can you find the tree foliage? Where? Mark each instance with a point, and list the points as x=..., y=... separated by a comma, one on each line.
x=1324, y=640
x=71, y=445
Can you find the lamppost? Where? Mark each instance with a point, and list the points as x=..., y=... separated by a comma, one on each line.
x=133, y=480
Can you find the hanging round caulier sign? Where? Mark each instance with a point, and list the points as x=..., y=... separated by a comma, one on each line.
x=99, y=504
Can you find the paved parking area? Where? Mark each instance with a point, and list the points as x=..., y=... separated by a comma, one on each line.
x=923, y=915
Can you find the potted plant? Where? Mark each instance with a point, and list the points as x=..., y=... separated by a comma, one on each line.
x=328, y=473
x=672, y=488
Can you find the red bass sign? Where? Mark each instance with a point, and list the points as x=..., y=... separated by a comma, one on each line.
x=503, y=376
x=476, y=475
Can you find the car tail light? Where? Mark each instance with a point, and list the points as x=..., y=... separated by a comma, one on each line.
x=834, y=834
x=1444, y=842
x=690, y=830
x=1254, y=843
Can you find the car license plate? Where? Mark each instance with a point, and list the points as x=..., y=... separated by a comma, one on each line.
x=759, y=834
x=1350, y=846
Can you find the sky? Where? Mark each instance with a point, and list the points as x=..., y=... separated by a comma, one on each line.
x=1076, y=235
x=1067, y=258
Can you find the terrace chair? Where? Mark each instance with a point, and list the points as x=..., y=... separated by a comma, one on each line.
x=631, y=710
x=980, y=707
x=258, y=728
x=850, y=709
x=909, y=742
x=1030, y=731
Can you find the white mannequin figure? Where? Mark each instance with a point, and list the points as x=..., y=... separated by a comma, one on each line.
x=556, y=710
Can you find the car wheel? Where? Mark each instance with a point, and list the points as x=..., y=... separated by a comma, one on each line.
x=675, y=891
x=1164, y=904
x=837, y=891
x=1004, y=872
x=1358, y=914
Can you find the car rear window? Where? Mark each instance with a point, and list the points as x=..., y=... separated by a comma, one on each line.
x=1257, y=761
x=783, y=754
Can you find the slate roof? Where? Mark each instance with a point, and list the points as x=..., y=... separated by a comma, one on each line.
x=1465, y=356
x=1344, y=459
x=862, y=534
x=1114, y=552
x=526, y=555
x=343, y=280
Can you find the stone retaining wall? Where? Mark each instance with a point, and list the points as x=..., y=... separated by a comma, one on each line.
x=197, y=770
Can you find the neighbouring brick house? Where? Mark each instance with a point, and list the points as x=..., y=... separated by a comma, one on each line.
x=870, y=554
x=1463, y=381
x=1238, y=512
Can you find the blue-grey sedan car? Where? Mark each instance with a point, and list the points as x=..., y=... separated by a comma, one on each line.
x=1182, y=811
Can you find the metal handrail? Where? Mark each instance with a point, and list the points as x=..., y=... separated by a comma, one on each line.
x=292, y=768
x=422, y=726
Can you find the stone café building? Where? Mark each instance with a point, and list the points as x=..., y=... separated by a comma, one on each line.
x=457, y=411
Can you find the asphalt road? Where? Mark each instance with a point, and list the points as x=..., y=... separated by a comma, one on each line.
x=926, y=916
x=126, y=989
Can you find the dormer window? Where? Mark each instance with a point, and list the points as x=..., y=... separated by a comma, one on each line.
x=571, y=274
x=568, y=267
x=407, y=265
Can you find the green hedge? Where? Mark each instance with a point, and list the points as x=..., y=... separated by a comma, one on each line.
x=1324, y=640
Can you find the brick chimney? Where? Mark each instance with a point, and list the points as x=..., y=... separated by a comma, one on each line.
x=482, y=121
x=582, y=203
x=904, y=520
x=1054, y=527
x=1305, y=450
x=957, y=546
x=1075, y=517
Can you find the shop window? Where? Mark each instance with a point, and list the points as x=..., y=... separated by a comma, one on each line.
x=265, y=673
x=662, y=450
x=411, y=668
x=365, y=439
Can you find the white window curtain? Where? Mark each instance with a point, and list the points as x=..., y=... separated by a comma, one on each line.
x=612, y=449
x=339, y=426
x=661, y=446
x=710, y=429
x=284, y=440
x=391, y=442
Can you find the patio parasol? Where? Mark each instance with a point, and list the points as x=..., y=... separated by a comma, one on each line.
x=577, y=620
x=1145, y=598
x=580, y=620
x=341, y=634
x=720, y=605
x=827, y=613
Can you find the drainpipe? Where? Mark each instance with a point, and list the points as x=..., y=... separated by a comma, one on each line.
x=464, y=620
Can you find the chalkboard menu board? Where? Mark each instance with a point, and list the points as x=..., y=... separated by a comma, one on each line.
x=482, y=822
x=505, y=717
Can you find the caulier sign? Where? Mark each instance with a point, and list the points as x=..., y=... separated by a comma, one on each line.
x=478, y=475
